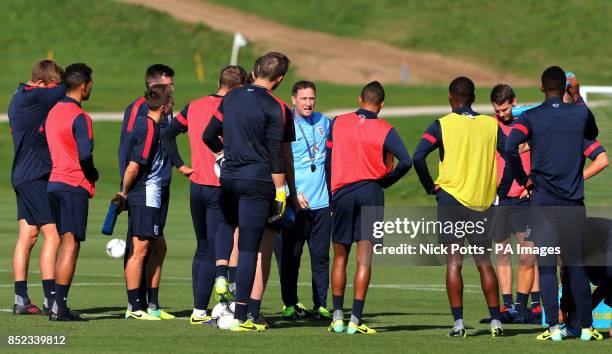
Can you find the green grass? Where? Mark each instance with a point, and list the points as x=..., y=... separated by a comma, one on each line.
x=516, y=36
x=410, y=318
x=120, y=41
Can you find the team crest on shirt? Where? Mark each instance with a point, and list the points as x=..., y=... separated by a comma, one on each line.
x=321, y=131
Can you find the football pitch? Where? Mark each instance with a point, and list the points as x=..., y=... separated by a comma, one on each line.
x=408, y=305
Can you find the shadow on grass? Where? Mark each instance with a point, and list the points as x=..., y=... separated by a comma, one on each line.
x=277, y=321
x=379, y=314
x=509, y=332
x=96, y=310
x=116, y=316
x=414, y=328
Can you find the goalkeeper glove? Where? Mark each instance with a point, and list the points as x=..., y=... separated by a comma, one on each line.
x=280, y=204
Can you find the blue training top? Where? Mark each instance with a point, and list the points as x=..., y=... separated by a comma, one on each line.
x=309, y=158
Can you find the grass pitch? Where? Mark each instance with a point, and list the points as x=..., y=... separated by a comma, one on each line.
x=408, y=305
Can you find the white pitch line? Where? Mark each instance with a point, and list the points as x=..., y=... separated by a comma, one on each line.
x=422, y=287
x=96, y=315
x=417, y=287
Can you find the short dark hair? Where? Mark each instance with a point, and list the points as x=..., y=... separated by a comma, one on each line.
x=232, y=76
x=300, y=85
x=271, y=66
x=373, y=93
x=158, y=95
x=156, y=71
x=462, y=89
x=48, y=71
x=76, y=75
x=502, y=93
x=249, y=79
x=553, y=78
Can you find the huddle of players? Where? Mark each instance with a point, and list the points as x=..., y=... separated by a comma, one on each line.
x=466, y=188
x=252, y=137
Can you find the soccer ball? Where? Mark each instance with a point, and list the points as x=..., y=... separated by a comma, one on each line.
x=223, y=314
x=115, y=248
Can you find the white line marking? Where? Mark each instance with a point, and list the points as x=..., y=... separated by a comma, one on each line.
x=422, y=287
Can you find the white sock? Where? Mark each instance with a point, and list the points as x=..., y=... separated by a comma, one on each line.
x=553, y=328
x=198, y=313
x=496, y=324
x=458, y=324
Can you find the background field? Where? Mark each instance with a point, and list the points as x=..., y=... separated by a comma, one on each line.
x=407, y=304
x=515, y=36
x=119, y=41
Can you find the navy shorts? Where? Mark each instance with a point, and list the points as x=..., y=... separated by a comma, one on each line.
x=355, y=211
x=205, y=209
x=511, y=217
x=33, y=203
x=163, y=208
x=144, y=221
x=70, y=211
x=454, y=219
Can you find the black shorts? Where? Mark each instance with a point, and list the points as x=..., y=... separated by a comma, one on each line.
x=70, y=211
x=144, y=221
x=511, y=217
x=455, y=218
x=355, y=212
x=33, y=203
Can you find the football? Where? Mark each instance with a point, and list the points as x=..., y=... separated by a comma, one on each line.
x=223, y=314
x=115, y=248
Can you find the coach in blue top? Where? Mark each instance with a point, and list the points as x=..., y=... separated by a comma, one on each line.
x=312, y=214
x=27, y=111
x=555, y=131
